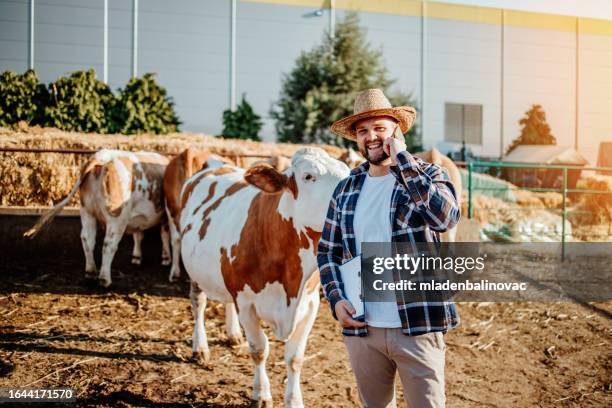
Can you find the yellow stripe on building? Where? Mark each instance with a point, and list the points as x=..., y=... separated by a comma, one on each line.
x=397, y=7
x=540, y=20
x=305, y=3
x=446, y=11
x=595, y=26
x=474, y=14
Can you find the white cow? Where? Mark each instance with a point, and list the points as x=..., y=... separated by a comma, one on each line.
x=122, y=191
x=254, y=243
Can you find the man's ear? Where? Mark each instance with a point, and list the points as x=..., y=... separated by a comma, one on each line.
x=266, y=178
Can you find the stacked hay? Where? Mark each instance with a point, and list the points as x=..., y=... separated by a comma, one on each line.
x=44, y=178
x=593, y=211
x=37, y=179
x=533, y=199
x=173, y=143
x=502, y=221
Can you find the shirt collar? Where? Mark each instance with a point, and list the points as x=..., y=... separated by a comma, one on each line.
x=363, y=168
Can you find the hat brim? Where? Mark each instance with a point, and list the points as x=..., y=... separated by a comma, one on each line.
x=405, y=116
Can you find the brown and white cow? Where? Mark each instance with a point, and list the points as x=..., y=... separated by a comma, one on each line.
x=179, y=169
x=351, y=158
x=123, y=192
x=254, y=243
x=278, y=161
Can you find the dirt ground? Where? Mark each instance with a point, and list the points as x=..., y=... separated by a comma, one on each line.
x=130, y=346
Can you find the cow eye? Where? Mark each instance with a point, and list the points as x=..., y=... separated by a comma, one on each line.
x=308, y=177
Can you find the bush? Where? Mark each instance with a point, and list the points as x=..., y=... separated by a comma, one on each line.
x=143, y=107
x=22, y=97
x=80, y=103
x=243, y=123
x=322, y=87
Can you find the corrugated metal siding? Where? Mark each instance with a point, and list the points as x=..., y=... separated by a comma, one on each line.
x=595, y=71
x=463, y=65
x=187, y=44
x=540, y=69
x=68, y=36
x=119, y=42
x=14, y=31
x=269, y=38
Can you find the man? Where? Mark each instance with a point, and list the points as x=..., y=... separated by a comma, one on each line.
x=392, y=197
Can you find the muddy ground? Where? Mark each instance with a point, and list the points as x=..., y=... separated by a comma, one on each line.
x=130, y=346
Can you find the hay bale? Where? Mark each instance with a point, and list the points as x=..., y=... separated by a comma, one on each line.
x=45, y=178
x=536, y=199
x=593, y=209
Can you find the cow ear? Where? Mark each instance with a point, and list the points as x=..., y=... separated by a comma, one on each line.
x=266, y=178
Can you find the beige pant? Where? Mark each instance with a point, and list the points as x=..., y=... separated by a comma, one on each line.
x=418, y=359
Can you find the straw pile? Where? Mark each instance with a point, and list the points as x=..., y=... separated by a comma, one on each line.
x=593, y=208
x=533, y=199
x=45, y=178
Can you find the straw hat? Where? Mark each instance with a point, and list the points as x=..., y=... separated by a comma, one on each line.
x=370, y=103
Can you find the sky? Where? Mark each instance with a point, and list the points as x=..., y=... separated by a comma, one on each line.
x=583, y=8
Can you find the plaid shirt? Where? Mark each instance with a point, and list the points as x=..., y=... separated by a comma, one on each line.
x=423, y=203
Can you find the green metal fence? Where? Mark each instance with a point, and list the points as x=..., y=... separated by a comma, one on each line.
x=564, y=190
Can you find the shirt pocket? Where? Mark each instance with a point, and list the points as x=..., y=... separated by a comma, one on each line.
x=406, y=217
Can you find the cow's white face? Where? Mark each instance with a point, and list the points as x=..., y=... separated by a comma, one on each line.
x=316, y=177
x=308, y=185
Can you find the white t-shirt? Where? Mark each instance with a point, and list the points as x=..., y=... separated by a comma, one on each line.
x=371, y=223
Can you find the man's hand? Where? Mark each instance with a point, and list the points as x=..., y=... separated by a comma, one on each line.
x=392, y=146
x=344, y=312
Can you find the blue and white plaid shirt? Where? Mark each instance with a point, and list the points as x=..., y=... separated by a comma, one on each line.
x=423, y=203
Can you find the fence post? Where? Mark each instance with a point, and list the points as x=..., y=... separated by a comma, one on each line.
x=470, y=169
x=563, y=214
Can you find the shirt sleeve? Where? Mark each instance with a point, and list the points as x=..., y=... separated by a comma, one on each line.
x=431, y=189
x=329, y=255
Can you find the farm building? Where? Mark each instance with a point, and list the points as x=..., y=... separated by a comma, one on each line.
x=474, y=71
x=543, y=154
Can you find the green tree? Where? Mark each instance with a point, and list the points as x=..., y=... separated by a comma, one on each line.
x=80, y=103
x=535, y=130
x=322, y=86
x=143, y=107
x=243, y=123
x=22, y=97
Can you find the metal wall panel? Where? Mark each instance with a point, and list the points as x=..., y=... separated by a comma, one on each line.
x=68, y=37
x=462, y=65
x=14, y=35
x=187, y=44
x=269, y=38
x=540, y=69
x=595, y=94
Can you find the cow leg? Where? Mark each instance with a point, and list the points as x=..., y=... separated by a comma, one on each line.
x=175, y=269
x=137, y=252
x=294, y=353
x=259, y=349
x=232, y=325
x=165, y=238
x=88, y=239
x=114, y=233
x=199, y=341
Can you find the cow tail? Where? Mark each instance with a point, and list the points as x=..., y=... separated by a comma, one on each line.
x=49, y=215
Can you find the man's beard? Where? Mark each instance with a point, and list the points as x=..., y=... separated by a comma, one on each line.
x=374, y=160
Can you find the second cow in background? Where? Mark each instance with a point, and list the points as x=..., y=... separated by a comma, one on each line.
x=123, y=192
